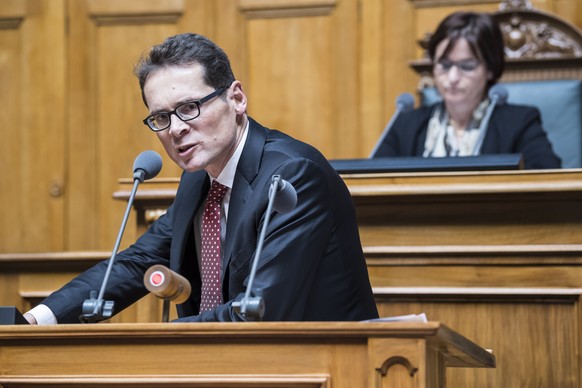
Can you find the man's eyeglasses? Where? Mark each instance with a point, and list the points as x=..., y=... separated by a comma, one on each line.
x=185, y=112
x=466, y=66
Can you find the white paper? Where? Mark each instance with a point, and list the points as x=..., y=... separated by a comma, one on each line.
x=401, y=318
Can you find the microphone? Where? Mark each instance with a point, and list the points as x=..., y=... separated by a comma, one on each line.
x=498, y=95
x=146, y=166
x=167, y=285
x=286, y=198
x=404, y=103
x=284, y=195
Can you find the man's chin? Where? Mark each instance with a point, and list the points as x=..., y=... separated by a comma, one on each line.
x=188, y=168
x=189, y=165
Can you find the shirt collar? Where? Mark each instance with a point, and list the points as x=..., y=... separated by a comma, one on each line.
x=227, y=174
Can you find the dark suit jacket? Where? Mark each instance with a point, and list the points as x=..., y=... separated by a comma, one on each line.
x=511, y=129
x=311, y=269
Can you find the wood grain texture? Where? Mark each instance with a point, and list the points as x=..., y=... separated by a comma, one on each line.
x=32, y=68
x=482, y=250
x=533, y=332
x=325, y=71
x=282, y=354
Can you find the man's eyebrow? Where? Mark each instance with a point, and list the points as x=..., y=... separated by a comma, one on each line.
x=179, y=102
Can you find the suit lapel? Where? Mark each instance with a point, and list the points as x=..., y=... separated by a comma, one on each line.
x=246, y=172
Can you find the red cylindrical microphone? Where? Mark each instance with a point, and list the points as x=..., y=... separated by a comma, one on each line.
x=167, y=284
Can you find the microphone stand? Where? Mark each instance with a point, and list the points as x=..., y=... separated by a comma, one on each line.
x=254, y=308
x=166, y=310
x=386, y=130
x=95, y=310
x=404, y=103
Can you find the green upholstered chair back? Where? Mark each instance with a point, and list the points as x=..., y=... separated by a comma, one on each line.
x=560, y=105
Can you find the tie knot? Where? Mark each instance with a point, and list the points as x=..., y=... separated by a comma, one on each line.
x=217, y=192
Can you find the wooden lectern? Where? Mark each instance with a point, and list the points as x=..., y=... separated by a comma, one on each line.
x=495, y=254
x=273, y=354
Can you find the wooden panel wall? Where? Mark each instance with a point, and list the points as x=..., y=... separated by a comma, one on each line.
x=325, y=71
x=32, y=113
x=105, y=129
x=532, y=332
x=519, y=307
x=28, y=278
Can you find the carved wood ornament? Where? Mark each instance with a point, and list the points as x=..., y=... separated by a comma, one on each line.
x=538, y=45
x=529, y=33
x=383, y=370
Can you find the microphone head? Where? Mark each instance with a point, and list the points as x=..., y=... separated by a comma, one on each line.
x=147, y=165
x=285, y=197
x=405, y=101
x=498, y=94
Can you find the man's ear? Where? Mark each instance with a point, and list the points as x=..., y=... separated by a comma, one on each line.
x=239, y=97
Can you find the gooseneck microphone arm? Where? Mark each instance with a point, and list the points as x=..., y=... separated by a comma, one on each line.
x=254, y=308
x=102, y=309
x=404, y=103
x=256, y=304
x=498, y=96
x=146, y=166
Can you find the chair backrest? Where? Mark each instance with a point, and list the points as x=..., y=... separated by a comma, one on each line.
x=543, y=69
x=560, y=105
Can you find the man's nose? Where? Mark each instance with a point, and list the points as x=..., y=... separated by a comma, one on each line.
x=177, y=126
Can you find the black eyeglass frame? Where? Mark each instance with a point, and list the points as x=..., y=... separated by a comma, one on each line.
x=149, y=124
x=444, y=65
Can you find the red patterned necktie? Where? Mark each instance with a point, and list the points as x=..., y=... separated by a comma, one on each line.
x=210, y=252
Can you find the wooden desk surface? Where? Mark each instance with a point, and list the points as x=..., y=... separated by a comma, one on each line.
x=435, y=209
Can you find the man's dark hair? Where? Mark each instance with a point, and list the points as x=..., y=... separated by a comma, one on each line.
x=481, y=32
x=183, y=50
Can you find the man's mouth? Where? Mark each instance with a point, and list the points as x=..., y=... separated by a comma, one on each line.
x=185, y=148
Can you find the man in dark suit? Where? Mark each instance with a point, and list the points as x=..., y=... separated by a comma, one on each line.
x=311, y=267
